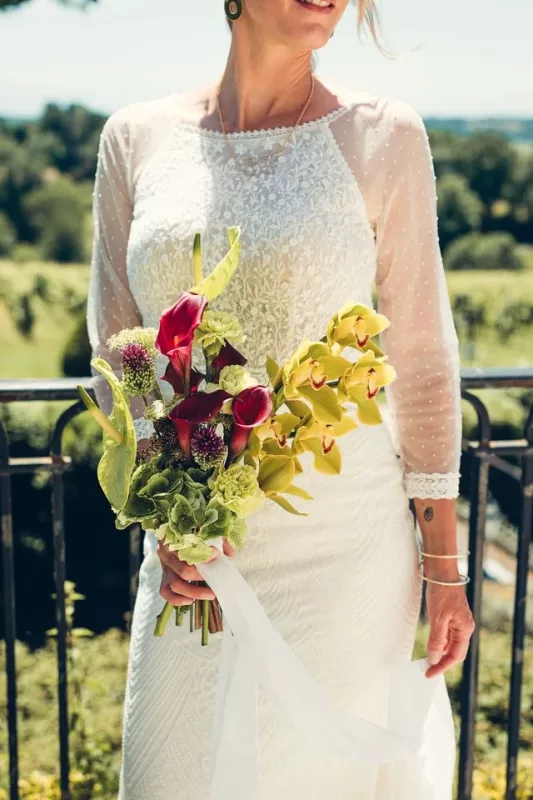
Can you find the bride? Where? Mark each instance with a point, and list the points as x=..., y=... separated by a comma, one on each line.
x=334, y=191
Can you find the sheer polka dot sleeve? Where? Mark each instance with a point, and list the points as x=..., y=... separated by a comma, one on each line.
x=421, y=342
x=111, y=305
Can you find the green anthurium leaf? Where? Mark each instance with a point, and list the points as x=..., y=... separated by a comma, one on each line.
x=335, y=366
x=296, y=490
x=298, y=407
x=367, y=410
x=284, y=503
x=275, y=473
x=274, y=372
x=118, y=460
x=326, y=463
x=215, y=283
x=122, y=521
x=326, y=406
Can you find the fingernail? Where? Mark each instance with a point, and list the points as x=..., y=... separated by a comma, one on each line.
x=433, y=657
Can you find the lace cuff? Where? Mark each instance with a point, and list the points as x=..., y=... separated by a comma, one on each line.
x=434, y=485
x=144, y=428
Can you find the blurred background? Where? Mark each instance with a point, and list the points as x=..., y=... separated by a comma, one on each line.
x=64, y=67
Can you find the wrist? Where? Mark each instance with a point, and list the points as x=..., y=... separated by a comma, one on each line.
x=441, y=569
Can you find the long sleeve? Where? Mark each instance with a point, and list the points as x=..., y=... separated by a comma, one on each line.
x=421, y=342
x=111, y=306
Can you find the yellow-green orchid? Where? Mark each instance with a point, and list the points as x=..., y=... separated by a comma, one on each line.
x=320, y=439
x=361, y=384
x=312, y=365
x=354, y=325
x=275, y=475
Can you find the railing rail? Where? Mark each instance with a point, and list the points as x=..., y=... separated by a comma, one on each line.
x=485, y=454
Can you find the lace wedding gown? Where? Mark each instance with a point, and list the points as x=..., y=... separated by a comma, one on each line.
x=350, y=203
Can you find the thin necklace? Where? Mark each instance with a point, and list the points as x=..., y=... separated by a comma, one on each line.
x=251, y=164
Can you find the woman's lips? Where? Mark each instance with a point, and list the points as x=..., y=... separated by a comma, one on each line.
x=318, y=9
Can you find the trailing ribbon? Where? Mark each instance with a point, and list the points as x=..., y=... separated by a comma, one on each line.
x=253, y=652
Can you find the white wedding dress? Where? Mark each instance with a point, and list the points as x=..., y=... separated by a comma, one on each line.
x=350, y=204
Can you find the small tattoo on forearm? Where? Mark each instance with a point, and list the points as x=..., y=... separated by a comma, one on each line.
x=428, y=514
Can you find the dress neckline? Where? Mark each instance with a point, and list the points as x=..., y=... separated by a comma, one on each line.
x=276, y=131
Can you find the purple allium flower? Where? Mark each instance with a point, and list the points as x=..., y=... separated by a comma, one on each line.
x=207, y=447
x=138, y=370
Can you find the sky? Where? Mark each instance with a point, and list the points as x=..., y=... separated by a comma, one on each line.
x=456, y=57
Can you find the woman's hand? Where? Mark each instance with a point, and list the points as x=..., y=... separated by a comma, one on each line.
x=451, y=626
x=176, y=586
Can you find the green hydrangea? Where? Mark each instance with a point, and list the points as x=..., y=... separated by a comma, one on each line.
x=237, y=489
x=143, y=336
x=216, y=328
x=234, y=379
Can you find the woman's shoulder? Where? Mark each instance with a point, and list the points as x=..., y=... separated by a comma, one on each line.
x=141, y=116
x=380, y=113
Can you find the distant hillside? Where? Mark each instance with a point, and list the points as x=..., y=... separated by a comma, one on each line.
x=518, y=130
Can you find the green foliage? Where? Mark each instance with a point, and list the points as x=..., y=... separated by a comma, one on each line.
x=57, y=213
x=483, y=251
x=487, y=161
x=7, y=5
x=459, y=208
x=8, y=235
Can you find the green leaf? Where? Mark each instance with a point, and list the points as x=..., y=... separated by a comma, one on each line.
x=275, y=473
x=215, y=283
x=118, y=460
x=326, y=406
x=284, y=503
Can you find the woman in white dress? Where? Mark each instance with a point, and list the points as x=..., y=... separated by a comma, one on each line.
x=334, y=191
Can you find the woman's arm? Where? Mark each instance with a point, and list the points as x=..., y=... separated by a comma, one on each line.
x=451, y=622
x=422, y=346
x=111, y=306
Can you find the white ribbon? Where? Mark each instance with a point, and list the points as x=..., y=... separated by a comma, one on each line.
x=253, y=652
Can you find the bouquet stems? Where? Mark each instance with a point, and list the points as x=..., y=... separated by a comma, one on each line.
x=205, y=622
x=163, y=618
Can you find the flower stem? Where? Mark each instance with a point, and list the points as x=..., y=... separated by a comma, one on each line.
x=163, y=618
x=180, y=611
x=205, y=622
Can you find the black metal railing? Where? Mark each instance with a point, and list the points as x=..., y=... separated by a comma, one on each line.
x=484, y=454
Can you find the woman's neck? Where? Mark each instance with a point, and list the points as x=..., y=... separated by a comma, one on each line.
x=263, y=85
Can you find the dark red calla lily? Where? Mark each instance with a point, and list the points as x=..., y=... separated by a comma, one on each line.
x=199, y=407
x=176, y=379
x=176, y=331
x=228, y=357
x=250, y=408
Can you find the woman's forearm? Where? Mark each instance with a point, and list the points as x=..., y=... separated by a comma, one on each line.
x=438, y=525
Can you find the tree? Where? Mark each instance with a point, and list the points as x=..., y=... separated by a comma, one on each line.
x=459, y=208
x=487, y=160
x=57, y=211
x=6, y=5
x=483, y=251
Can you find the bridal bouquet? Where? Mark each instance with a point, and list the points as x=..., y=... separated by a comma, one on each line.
x=224, y=443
